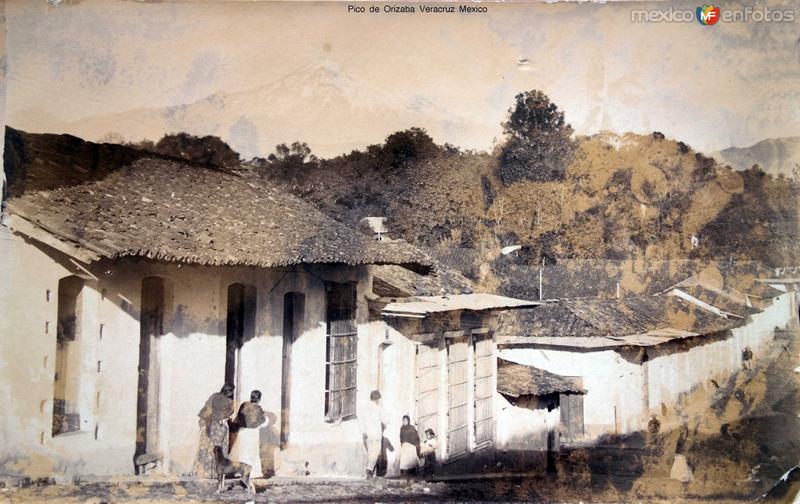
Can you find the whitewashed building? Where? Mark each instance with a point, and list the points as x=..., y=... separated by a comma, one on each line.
x=437, y=363
x=624, y=360
x=126, y=302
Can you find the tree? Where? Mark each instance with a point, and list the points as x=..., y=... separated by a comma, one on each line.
x=538, y=142
x=290, y=160
x=298, y=153
x=402, y=147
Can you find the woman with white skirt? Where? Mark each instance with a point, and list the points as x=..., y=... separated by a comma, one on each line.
x=247, y=445
x=409, y=448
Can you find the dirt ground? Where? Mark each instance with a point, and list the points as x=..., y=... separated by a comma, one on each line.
x=739, y=438
x=522, y=489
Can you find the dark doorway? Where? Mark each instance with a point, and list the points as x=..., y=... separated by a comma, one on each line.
x=293, y=312
x=66, y=414
x=151, y=327
x=240, y=327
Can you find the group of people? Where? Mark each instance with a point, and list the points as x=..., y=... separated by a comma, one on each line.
x=219, y=427
x=414, y=452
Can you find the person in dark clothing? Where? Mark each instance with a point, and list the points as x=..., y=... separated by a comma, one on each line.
x=747, y=358
x=213, y=421
x=409, y=448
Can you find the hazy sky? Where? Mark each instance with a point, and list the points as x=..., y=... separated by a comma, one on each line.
x=91, y=67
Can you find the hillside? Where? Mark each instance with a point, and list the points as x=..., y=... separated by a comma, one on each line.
x=776, y=156
x=627, y=196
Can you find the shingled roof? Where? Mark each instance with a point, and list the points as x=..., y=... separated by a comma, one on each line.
x=172, y=211
x=719, y=300
x=591, y=278
x=394, y=281
x=517, y=380
x=587, y=318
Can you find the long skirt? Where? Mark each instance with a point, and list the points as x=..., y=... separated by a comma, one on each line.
x=212, y=433
x=408, y=457
x=247, y=449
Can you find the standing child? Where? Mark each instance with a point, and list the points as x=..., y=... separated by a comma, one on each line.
x=429, y=451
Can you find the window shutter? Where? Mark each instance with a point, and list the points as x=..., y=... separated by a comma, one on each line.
x=484, y=369
x=342, y=351
x=427, y=388
x=458, y=397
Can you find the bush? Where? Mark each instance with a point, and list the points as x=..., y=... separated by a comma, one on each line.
x=207, y=150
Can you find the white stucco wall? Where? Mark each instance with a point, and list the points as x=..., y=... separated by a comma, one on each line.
x=192, y=359
x=523, y=426
x=616, y=395
x=675, y=374
x=398, y=386
x=614, y=386
x=27, y=367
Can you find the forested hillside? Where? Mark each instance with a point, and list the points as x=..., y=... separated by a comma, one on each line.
x=605, y=196
x=559, y=196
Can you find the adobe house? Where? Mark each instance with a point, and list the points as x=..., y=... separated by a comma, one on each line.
x=127, y=301
x=633, y=357
x=437, y=363
x=535, y=409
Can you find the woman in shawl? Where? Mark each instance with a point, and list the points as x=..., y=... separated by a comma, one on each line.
x=409, y=447
x=245, y=433
x=214, y=430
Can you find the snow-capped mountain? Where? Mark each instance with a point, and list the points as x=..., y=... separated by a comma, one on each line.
x=316, y=103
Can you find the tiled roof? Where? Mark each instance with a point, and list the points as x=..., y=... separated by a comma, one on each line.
x=719, y=300
x=176, y=212
x=633, y=315
x=548, y=319
x=462, y=259
x=590, y=278
x=737, y=279
x=516, y=380
x=395, y=281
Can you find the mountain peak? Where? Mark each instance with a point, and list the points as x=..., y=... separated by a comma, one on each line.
x=774, y=155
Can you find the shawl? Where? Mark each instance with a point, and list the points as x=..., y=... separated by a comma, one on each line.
x=218, y=407
x=250, y=415
x=408, y=434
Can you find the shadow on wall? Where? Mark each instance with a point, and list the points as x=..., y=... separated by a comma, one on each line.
x=269, y=443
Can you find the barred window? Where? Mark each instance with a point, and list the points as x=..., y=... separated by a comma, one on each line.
x=341, y=350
